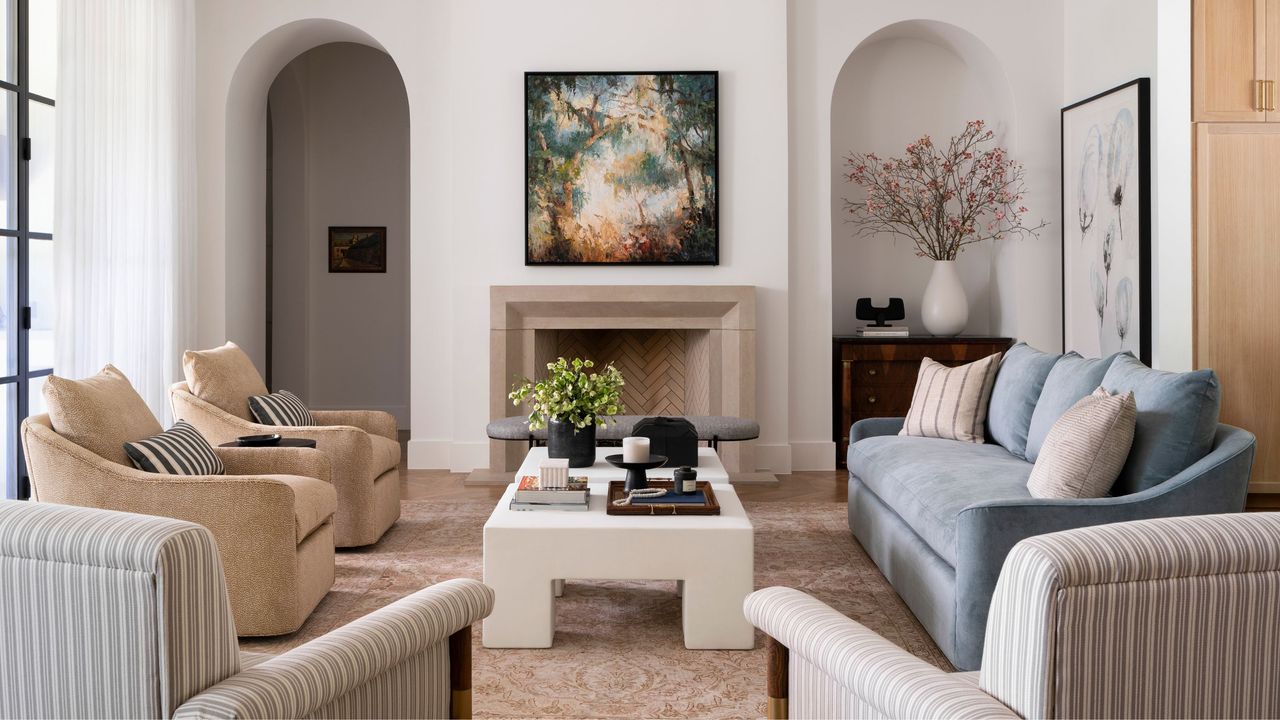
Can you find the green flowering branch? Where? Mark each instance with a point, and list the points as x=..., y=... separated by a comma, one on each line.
x=571, y=394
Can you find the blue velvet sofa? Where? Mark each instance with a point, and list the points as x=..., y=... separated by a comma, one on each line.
x=939, y=516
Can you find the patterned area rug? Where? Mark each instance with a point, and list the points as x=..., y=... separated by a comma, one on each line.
x=618, y=651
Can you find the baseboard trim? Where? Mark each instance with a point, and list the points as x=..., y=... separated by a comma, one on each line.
x=467, y=456
x=813, y=455
x=428, y=454
x=773, y=458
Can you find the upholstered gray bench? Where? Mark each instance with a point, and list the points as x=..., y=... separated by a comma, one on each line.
x=712, y=429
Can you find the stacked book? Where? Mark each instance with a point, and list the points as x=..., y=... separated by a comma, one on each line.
x=883, y=331
x=531, y=495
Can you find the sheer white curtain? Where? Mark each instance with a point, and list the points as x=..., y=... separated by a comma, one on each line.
x=125, y=228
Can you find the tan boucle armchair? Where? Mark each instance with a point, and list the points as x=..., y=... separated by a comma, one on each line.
x=271, y=514
x=361, y=446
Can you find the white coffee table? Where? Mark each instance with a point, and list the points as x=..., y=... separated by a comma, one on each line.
x=528, y=553
x=709, y=467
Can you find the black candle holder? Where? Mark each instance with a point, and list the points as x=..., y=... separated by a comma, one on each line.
x=636, y=478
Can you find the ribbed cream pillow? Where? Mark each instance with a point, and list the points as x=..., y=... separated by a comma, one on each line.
x=951, y=403
x=1086, y=448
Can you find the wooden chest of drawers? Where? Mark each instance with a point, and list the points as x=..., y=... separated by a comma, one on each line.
x=875, y=377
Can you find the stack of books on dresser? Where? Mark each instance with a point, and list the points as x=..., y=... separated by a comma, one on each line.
x=531, y=495
x=883, y=331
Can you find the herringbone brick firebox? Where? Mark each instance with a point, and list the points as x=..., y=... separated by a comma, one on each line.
x=656, y=364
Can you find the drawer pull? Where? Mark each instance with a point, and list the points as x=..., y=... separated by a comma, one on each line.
x=871, y=399
x=872, y=371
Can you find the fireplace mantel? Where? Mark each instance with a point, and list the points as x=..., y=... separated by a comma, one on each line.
x=723, y=317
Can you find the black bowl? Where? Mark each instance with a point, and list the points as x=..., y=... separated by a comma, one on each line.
x=655, y=461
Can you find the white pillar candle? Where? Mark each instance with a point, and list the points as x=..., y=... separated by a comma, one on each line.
x=635, y=449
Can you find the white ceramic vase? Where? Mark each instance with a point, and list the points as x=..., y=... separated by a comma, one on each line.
x=945, y=310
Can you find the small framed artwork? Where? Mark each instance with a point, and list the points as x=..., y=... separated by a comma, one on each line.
x=357, y=249
x=622, y=168
x=1106, y=222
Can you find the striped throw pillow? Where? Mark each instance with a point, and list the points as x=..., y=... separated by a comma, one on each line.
x=1086, y=448
x=280, y=408
x=951, y=403
x=180, y=450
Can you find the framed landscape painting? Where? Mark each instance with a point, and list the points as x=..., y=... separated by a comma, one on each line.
x=1106, y=218
x=357, y=249
x=621, y=168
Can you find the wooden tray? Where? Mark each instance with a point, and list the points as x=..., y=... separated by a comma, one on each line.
x=616, y=492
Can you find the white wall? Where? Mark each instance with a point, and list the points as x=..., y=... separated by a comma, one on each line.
x=464, y=76
x=341, y=142
x=1148, y=38
x=1026, y=40
x=462, y=62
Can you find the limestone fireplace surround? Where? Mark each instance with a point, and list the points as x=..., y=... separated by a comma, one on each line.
x=720, y=321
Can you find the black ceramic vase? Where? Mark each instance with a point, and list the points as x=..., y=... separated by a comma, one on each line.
x=577, y=444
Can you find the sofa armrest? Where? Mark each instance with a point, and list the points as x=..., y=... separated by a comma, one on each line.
x=874, y=427
x=987, y=531
x=860, y=665
x=333, y=668
x=305, y=462
x=374, y=422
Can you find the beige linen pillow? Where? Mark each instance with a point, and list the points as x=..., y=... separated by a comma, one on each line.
x=951, y=403
x=224, y=377
x=1086, y=448
x=99, y=413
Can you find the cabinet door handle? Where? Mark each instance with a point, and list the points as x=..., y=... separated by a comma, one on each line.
x=1259, y=93
x=872, y=371
x=1270, y=94
x=871, y=399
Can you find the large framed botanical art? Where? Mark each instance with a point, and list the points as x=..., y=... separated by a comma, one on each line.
x=1106, y=222
x=622, y=168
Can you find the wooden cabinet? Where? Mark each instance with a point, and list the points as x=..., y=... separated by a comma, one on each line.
x=1237, y=280
x=1233, y=68
x=875, y=377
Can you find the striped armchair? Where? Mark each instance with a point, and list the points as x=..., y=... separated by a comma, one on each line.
x=1156, y=618
x=110, y=614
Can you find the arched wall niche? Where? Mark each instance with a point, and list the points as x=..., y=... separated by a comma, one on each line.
x=904, y=81
x=245, y=206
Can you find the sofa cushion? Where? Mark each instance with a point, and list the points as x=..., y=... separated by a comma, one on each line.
x=1013, y=399
x=223, y=377
x=1177, y=419
x=927, y=481
x=951, y=402
x=1087, y=447
x=314, y=502
x=99, y=413
x=1072, y=377
x=386, y=453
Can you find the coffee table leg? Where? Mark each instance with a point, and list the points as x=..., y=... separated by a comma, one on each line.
x=712, y=614
x=523, y=612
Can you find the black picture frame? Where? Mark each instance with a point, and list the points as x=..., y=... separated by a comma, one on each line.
x=373, y=259
x=1075, y=230
x=714, y=211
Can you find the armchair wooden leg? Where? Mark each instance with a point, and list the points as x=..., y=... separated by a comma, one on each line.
x=778, y=679
x=460, y=674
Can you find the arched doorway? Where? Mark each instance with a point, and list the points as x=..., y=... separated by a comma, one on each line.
x=346, y=353
x=338, y=316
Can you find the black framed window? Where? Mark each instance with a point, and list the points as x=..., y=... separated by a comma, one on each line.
x=28, y=81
